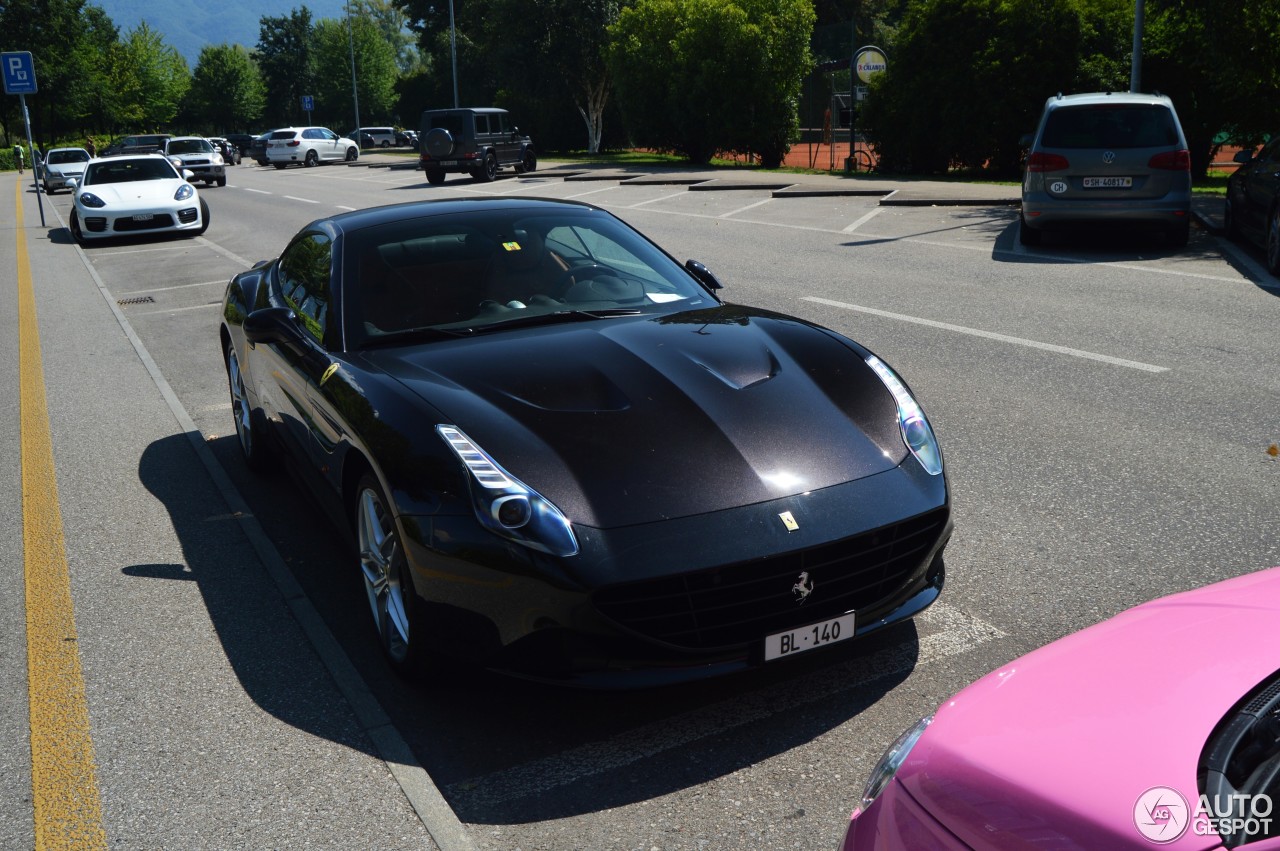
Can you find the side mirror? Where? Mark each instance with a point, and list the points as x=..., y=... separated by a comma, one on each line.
x=1243, y=157
x=271, y=325
x=703, y=274
x=188, y=173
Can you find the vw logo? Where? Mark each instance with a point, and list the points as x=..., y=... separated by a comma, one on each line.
x=1108, y=157
x=803, y=587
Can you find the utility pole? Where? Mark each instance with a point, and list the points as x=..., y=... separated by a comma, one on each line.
x=1135, y=69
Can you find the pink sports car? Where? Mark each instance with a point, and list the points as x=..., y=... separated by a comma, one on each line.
x=1159, y=727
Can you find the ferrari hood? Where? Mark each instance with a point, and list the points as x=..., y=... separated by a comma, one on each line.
x=635, y=419
x=1064, y=741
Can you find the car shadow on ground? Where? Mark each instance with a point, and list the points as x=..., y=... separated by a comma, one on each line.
x=1109, y=245
x=501, y=750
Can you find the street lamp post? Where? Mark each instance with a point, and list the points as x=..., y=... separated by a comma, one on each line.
x=453, y=54
x=355, y=97
x=1135, y=67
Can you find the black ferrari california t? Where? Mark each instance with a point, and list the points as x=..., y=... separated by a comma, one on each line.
x=558, y=452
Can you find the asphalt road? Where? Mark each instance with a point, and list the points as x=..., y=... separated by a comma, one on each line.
x=1104, y=404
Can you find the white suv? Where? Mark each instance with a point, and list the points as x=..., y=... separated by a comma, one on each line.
x=309, y=146
x=197, y=155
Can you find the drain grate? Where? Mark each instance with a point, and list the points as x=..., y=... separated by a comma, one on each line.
x=142, y=299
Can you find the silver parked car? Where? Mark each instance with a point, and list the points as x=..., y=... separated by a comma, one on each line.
x=1106, y=159
x=62, y=168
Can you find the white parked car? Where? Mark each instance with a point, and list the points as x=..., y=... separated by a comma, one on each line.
x=62, y=168
x=144, y=193
x=197, y=155
x=309, y=146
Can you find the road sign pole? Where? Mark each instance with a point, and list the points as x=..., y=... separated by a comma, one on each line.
x=35, y=177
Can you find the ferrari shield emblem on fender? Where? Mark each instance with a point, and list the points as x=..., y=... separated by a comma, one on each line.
x=789, y=521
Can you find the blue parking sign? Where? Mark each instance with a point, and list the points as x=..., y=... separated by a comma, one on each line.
x=308, y=103
x=19, y=73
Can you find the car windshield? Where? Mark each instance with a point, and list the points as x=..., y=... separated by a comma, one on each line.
x=190, y=146
x=486, y=271
x=1129, y=126
x=58, y=157
x=126, y=171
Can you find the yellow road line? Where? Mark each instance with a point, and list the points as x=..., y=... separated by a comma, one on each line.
x=64, y=784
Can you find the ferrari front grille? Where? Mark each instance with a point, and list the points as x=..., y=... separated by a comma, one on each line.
x=743, y=602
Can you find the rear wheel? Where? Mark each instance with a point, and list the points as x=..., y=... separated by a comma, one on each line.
x=488, y=171
x=387, y=583
x=1180, y=235
x=1027, y=235
x=1229, y=224
x=435, y=176
x=1273, y=243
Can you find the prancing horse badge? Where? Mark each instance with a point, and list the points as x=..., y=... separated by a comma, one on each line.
x=789, y=521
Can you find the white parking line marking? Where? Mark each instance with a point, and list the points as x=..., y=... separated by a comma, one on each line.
x=594, y=191
x=221, y=283
x=661, y=198
x=97, y=254
x=953, y=632
x=348, y=209
x=216, y=304
x=259, y=191
x=1259, y=272
x=744, y=209
x=875, y=211
x=303, y=200
x=990, y=335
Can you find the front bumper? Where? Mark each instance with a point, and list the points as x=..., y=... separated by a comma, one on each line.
x=103, y=223
x=687, y=598
x=895, y=821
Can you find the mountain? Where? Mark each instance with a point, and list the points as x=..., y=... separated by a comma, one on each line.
x=190, y=25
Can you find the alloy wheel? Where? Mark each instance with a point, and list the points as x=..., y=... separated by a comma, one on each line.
x=380, y=558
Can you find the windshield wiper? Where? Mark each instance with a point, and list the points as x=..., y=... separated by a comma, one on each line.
x=396, y=338
x=558, y=316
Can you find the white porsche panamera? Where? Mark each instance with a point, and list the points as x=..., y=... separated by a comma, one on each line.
x=123, y=196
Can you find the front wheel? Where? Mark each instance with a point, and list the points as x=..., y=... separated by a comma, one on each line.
x=388, y=586
x=353, y=154
x=250, y=428
x=280, y=165
x=222, y=181
x=76, y=233
x=311, y=160
x=204, y=217
x=529, y=162
x=1229, y=224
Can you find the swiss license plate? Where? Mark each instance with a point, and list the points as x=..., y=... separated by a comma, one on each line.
x=1108, y=182
x=808, y=637
x=144, y=217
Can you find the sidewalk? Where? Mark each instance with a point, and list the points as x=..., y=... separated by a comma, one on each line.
x=893, y=191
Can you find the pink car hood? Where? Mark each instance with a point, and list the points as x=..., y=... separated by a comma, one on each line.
x=1054, y=749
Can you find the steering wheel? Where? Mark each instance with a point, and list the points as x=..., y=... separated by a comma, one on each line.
x=575, y=274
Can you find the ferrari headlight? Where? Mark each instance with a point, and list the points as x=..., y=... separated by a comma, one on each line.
x=887, y=768
x=507, y=506
x=88, y=199
x=184, y=192
x=916, y=432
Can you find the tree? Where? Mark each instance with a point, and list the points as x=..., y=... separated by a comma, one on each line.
x=286, y=60
x=149, y=79
x=1220, y=63
x=697, y=76
x=226, y=92
x=392, y=22
x=967, y=78
x=375, y=71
